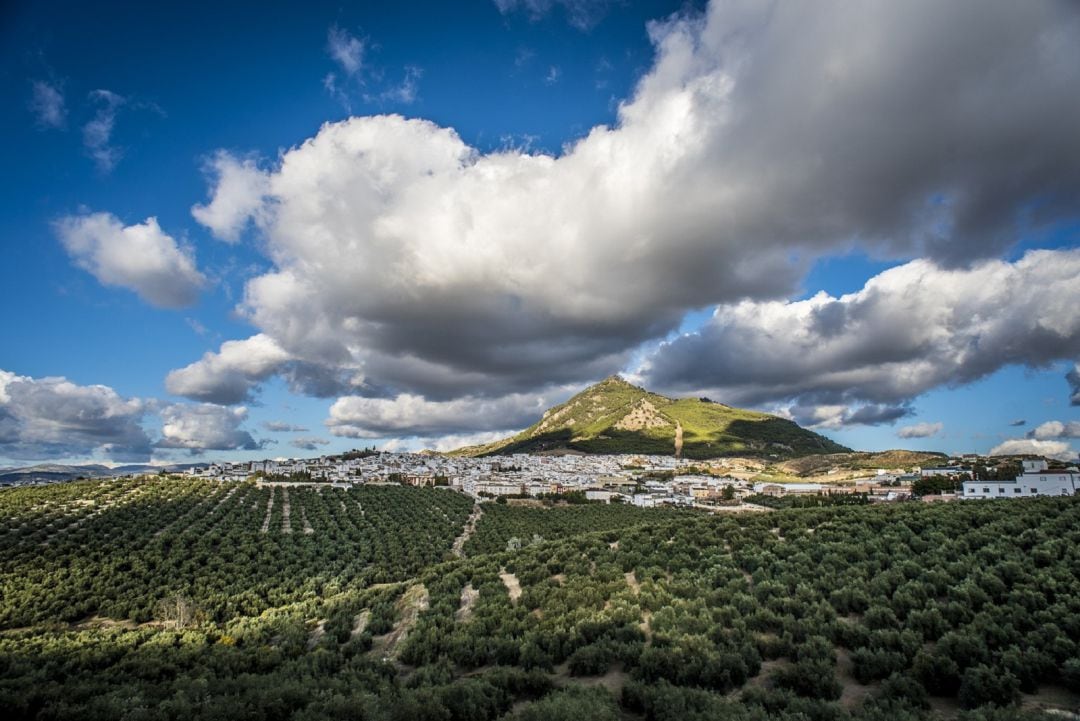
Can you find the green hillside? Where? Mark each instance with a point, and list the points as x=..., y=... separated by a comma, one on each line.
x=168, y=599
x=614, y=416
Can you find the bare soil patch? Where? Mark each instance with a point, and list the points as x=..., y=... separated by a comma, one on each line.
x=469, y=595
x=316, y=635
x=468, y=530
x=513, y=587
x=269, y=507
x=360, y=622
x=409, y=606
x=854, y=693
x=286, y=511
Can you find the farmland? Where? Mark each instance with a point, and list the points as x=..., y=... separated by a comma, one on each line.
x=170, y=598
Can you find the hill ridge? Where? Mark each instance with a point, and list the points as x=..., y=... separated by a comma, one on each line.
x=615, y=416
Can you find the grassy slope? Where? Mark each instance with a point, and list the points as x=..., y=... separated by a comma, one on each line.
x=587, y=422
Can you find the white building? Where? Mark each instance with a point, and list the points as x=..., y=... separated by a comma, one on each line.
x=1036, y=480
x=941, y=471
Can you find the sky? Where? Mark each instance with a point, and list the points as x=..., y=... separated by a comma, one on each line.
x=260, y=231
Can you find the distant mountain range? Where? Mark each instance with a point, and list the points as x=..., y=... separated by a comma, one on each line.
x=614, y=416
x=58, y=472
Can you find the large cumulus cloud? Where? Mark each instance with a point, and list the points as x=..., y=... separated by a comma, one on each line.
x=411, y=415
x=764, y=136
x=205, y=427
x=55, y=418
x=912, y=328
x=140, y=257
x=1034, y=447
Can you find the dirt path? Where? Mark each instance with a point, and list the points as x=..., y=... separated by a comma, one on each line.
x=469, y=595
x=467, y=532
x=632, y=582
x=412, y=602
x=854, y=693
x=513, y=587
x=269, y=507
x=678, y=439
x=646, y=626
x=360, y=622
x=308, y=530
x=317, y=634
x=286, y=511
x=767, y=668
x=613, y=680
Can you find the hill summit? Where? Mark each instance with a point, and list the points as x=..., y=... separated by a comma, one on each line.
x=614, y=416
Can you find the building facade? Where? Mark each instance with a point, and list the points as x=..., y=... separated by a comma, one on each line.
x=1036, y=480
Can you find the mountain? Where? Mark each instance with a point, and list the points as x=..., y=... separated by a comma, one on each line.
x=614, y=416
x=51, y=472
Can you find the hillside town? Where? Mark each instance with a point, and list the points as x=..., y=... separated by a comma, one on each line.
x=650, y=480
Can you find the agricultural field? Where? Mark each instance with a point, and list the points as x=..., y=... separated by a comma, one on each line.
x=504, y=523
x=117, y=548
x=170, y=599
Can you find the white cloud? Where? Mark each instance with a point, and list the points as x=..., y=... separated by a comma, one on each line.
x=1027, y=446
x=838, y=415
x=345, y=49
x=410, y=415
x=239, y=190
x=142, y=257
x=581, y=14
x=433, y=269
x=47, y=105
x=228, y=376
x=910, y=329
x=454, y=441
x=204, y=427
x=54, y=418
x=283, y=427
x=97, y=133
x=553, y=75
x=920, y=430
x=309, y=443
x=408, y=90
x=1056, y=429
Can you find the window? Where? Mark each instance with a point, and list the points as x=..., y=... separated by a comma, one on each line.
x=971, y=490
x=1016, y=490
x=1001, y=491
x=986, y=490
x=1034, y=490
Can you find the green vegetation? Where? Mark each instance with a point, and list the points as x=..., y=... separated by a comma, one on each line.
x=501, y=523
x=121, y=546
x=614, y=416
x=840, y=613
x=816, y=500
x=932, y=485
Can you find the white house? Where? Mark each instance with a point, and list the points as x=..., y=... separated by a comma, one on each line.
x=1036, y=480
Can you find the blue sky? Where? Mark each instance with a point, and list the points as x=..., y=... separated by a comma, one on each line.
x=720, y=117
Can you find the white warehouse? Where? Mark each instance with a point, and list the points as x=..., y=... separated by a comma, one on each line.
x=1036, y=480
